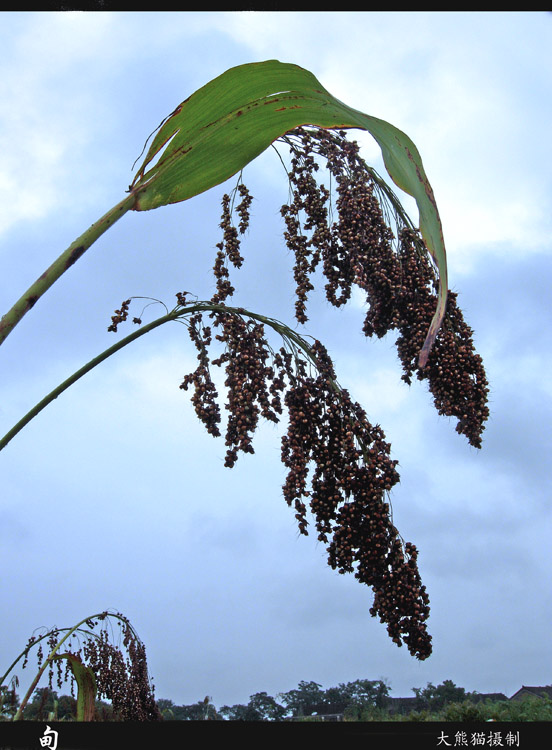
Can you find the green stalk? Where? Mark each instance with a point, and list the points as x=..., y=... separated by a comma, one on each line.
x=59, y=266
x=178, y=312
x=79, y=374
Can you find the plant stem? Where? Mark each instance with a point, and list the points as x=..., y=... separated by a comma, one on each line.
x=59, y=266
x=79, y=374
x=178, y=312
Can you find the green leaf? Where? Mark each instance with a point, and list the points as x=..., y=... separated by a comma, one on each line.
x=228, y=122
x=86, y=682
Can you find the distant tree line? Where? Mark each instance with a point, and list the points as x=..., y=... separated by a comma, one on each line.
x=309, y=699
x=361, y=700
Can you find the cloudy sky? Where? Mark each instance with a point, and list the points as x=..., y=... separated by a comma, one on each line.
x=116, y=498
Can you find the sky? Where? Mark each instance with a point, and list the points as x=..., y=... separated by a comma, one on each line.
x=115, y=497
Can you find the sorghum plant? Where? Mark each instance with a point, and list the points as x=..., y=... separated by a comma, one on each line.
x=338, y=464
x=115, y=671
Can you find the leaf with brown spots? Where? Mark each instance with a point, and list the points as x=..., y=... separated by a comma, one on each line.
x=228, y=122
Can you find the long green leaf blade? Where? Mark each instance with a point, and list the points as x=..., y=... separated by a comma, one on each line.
x=86, y=682
x=228, y=122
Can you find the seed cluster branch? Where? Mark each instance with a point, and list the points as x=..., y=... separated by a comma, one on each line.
x=373, y=245
x=338, y=464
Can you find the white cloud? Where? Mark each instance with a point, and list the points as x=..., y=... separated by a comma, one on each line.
x=42, y=123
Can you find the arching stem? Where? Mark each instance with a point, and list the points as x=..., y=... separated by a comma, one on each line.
x=178, y=312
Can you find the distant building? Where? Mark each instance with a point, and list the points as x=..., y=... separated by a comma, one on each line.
x=402, y=705
x=480, y=697
x=532, y=692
